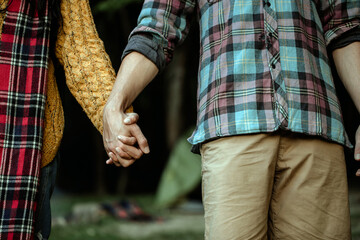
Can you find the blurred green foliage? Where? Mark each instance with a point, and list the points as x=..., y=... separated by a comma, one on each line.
x=112, y=6
x=181, y=175
x=109, y=228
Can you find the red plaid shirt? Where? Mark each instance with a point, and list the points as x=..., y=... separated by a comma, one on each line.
x=23, y=71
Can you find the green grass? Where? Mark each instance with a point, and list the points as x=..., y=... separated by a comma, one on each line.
x=108, y=228
x=62, y=205
x=104, y=232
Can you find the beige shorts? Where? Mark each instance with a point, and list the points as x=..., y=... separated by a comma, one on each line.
x=274, y=186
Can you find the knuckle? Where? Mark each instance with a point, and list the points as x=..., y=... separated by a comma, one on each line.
x=123, y=155
x=132, y=141
x=127, y=140
x=123, y=148
x=111, y=148
x=138, y=155
x=118, y=150
x=125, y=164
x=132, y=118
x=112, y=156
x=143, y=141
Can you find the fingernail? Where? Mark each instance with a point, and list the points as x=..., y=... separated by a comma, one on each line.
x=147, y=150
x=108, y=161
x=127, y=120
x=120, y=137
x=357, y=156
x=118, y=149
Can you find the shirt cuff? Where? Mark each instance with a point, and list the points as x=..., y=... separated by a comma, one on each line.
x=144, y=44
x=345, y=39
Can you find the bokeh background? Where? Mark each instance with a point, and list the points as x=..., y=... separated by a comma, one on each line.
x=167, y=108
x=165, y=184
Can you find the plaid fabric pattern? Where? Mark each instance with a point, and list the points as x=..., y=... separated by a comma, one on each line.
x=23, y=72
x=263, y=64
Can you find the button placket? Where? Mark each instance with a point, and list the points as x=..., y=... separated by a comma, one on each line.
x=273, y=51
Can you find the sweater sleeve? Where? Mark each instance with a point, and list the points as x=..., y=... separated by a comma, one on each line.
x=88, y=70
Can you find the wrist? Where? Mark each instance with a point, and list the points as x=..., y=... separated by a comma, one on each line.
x=111, y=110
x=116, y=104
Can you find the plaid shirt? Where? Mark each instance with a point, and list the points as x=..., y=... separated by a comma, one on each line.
x=24, y=52
x=263, y=64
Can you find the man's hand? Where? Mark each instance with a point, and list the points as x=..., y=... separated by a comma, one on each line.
x=136, y=71
x=120, y=135
x=357, y=149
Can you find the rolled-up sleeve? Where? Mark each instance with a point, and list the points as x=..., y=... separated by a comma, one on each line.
x=338, y=17
x=347, y=38
x=168, y=22
x=144, y=44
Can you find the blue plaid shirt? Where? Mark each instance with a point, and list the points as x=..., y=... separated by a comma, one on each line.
x=263, y=64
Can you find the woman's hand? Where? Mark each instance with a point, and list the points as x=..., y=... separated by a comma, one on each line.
x=123, y=140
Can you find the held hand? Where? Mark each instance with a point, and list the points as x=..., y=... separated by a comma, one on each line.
x=138, y=136
x=122, y=154
x=357, y=149
x=136, y=71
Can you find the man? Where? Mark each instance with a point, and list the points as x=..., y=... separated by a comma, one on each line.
x=269, y=124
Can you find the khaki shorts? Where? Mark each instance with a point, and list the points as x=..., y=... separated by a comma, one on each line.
x=274, y=186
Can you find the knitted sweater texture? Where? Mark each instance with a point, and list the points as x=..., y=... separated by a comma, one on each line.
x=88, y=71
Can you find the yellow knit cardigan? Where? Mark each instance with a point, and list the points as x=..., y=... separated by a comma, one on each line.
x=88, y=71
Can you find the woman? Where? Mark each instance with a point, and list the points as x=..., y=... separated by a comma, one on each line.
x=31, y=115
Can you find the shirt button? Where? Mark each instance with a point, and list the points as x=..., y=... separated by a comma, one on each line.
x=268, y=4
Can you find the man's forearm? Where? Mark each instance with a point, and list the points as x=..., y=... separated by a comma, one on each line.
x=135, y=73
x=347, y=61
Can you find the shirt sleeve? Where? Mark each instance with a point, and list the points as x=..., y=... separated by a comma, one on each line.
x=338, y=17
x=167, y=21
x=144, y=44
x=347, y=38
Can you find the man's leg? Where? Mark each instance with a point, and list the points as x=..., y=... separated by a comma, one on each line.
x=237, y=183
x=46, y=188
x=310, y=197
